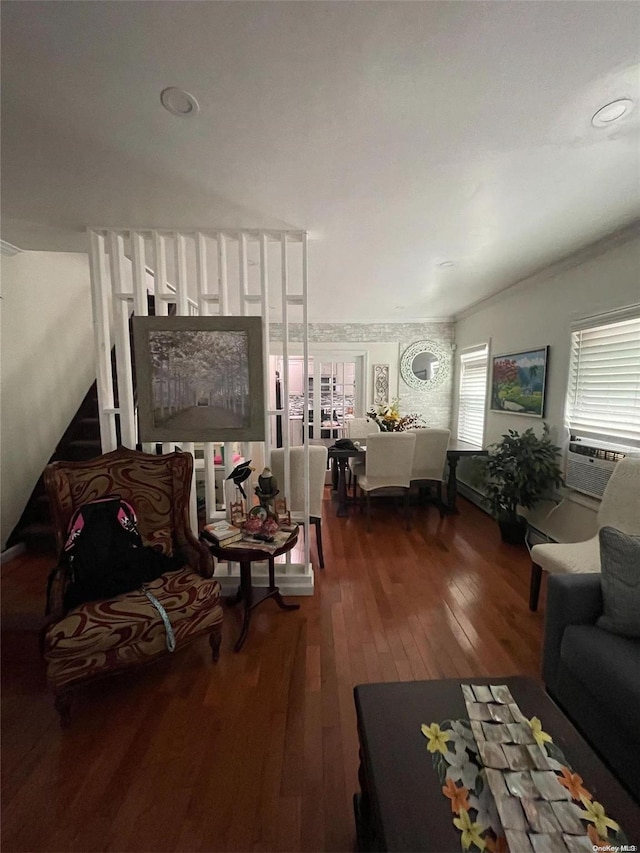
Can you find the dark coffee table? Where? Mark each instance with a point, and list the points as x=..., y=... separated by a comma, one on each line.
x=401, y=805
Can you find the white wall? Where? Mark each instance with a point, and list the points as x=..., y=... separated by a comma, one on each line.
x=47, y=365
x=538, y=312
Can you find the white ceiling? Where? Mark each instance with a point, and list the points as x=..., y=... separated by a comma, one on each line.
x=399, y=134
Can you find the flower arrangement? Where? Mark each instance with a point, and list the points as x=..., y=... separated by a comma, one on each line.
x=389, y=419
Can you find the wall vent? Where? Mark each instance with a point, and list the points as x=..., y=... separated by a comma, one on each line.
x=589, y=466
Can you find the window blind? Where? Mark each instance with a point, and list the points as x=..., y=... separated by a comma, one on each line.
x=472, y=395
x=603, y=396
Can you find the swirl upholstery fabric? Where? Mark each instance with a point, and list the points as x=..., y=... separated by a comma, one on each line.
x=107, y=635
x=101, y=637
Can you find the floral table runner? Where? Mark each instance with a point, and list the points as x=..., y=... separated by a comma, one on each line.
x=510, y=788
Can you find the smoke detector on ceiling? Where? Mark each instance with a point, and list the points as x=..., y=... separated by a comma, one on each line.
x=178, y=102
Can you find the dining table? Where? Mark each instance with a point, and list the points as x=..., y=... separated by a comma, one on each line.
x=455, y=452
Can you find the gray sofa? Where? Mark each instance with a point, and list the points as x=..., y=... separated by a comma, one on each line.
x=593, y=675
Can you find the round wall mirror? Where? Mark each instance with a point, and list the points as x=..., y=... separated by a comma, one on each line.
x=425, y=365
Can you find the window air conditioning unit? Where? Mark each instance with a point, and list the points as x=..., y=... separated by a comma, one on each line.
x=590, y=463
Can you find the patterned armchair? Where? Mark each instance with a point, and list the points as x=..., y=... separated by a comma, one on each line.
x=99, y=638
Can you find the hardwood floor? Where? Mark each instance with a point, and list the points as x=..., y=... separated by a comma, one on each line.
x=258, y=752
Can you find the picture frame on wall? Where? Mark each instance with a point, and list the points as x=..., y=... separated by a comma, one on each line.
x=518, y=382
x=199, y=378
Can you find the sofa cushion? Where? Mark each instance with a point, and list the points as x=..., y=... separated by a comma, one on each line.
x=100, y=636
x=608, y=666
x=620, y=562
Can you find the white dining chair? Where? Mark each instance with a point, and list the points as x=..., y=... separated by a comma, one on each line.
x=357, y=430
x=620, y=508
x=429, y=459
x=295, y=497
x=388, y=468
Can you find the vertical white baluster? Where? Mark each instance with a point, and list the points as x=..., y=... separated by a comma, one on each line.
x=305, y=416
x=128, y=435
x=102, y=341
x=264, y=281
x=160, y=275
x=244, y=273
x=181, y=276
x=140, y=304
x=223, y=275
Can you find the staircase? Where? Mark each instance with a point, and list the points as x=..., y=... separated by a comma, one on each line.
x=81, y=440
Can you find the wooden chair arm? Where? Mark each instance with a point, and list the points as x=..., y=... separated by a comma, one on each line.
x=198, y=556
x=58, y=581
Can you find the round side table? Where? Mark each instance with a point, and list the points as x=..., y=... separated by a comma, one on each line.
x=251, y=597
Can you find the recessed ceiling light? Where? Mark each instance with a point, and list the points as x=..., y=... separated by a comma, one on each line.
x=612, y=112
x=178, y=102
x=446, y=264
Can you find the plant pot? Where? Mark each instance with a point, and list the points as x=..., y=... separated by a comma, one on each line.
x=513, y=530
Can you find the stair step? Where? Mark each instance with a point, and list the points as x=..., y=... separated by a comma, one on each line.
x=83, y=448
x=39, y=537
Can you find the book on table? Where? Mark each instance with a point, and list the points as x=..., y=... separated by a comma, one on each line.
x=221, y=532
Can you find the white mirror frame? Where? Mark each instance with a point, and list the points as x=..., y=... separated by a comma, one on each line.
x=444, y=365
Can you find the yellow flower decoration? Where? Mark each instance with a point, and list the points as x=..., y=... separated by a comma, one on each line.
x=536, y=730
x=436, y=737
x=595, y=812
x=470, y=831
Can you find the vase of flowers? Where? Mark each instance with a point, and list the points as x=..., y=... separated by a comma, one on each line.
x=389, y=419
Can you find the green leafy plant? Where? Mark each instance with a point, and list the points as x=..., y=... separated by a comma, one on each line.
x=521, y=470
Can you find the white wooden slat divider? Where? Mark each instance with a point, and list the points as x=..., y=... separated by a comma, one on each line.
x=305, y=413
x=149, y=271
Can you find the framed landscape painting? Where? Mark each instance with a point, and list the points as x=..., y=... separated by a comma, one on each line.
x=199, y=378
x=518, y=382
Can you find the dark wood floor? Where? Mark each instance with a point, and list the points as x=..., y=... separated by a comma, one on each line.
x=260, y=751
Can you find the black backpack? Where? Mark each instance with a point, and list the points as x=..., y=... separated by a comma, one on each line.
x=104, y=555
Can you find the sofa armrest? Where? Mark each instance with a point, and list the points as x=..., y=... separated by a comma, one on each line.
x=574, y=599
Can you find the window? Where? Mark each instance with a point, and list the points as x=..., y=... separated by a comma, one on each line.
x=472, y=395
x=603, y=397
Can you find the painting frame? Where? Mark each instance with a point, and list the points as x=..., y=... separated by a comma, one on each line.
x=200, y=421
x=507, y=395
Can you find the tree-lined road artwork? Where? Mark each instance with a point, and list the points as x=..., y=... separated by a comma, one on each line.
x=200, y=379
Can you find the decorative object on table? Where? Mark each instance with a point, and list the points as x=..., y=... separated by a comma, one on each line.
x=380, y=384
x=221, y=532
x=236, y=512
x=518, y=382
x=261, y=523
x=516, y=787
x=239, y=474
x=199, y=378
x=520, y=471
x=425, y=365
x=283, y=514
x=389, y=419
x=267, y=489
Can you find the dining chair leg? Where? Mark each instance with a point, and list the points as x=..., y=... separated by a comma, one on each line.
x=407, y=513
x=440, y=504
x=317, y=523
x=368, y=496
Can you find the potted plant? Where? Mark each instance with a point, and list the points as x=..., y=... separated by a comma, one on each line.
x=520, y=471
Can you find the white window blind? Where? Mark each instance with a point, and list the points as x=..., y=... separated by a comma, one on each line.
x=472, y=395
x=603, y=397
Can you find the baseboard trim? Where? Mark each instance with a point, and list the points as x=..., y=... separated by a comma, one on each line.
x=472, y=495
x=10, y=553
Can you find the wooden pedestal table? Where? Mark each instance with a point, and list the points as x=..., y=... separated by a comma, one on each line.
x=251, y=597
